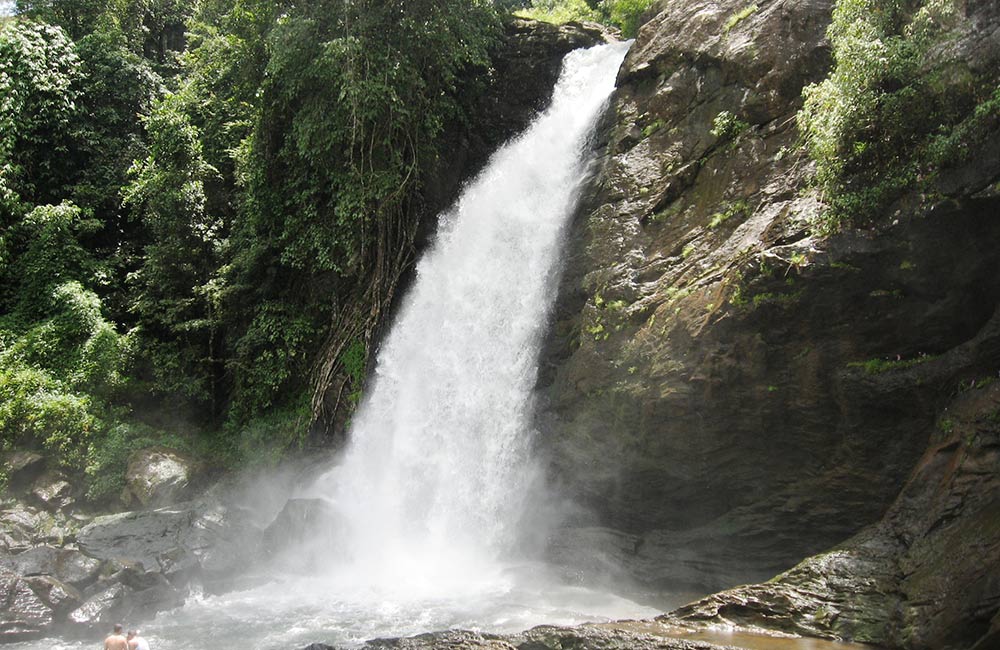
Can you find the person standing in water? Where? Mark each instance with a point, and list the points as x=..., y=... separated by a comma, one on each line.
x=115, y=640
x=136, y=642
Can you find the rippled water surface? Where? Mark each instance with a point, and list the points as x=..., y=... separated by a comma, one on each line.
x=297, y=612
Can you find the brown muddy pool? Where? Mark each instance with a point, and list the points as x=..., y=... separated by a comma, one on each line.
x=738, y=638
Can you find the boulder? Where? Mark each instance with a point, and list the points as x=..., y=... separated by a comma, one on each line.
x=224, y=541
x=25, y=526
x=23, y=614
x=159, y=476
x=59, y=596
x=136, y=537
x=65, y=564
x=22, y=468
x=923, y=577
x=103, y=607
x=200, y=538
x=52, y=491
x=300, y=522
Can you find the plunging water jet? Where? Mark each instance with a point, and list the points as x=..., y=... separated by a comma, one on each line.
x=437, y=473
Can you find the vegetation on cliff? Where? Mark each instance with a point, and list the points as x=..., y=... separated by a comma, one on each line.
x=895, y=107
x=626, y=15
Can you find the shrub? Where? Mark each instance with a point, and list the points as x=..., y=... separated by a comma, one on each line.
x=623, y=14
x=869, y=123
x=37, y=410
x=727, y=126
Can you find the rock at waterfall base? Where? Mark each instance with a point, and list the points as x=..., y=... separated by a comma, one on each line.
x=159, y=476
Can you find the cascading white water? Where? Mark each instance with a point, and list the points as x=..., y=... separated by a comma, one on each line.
x=433, y=482
x=429, y=493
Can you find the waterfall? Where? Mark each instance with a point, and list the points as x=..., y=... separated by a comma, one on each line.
x=431, y=487
x=425, y=502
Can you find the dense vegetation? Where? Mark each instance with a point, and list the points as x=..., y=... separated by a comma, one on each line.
x=896, y=106
x=623, y=14
x=196, y=199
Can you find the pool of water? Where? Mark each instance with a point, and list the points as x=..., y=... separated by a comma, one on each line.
x=295, y=612
x=744, y=639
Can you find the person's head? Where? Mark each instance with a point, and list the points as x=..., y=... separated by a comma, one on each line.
x=118, y=628
x=133, y=633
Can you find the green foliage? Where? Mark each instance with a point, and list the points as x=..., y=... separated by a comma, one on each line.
x=727, y=126
x=728, y=211
x=887, y=112
x=953, y=147
x=264, y=440
x=76, y=17
x=352, y=99
x=176, y=287
x=38, y=410
x=76, y=343
x=44, y=251
x=117, y=86
x=623, y=14
x=560, y=11
x=353, y=360
x=185, y=214
x=275, y=344
x=739, y=17
x=879, y=366
x=37, y=105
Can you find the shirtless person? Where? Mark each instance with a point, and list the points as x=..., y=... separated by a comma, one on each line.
x=116, y=640
x=136, y=642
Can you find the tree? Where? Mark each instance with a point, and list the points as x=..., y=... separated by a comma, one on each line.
x=175, y=289
x=38, y=106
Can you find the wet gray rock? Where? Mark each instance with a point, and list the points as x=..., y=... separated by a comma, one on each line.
x=23, y=613
x=66, y=564
x=922, y=578
x=148, y=592
x=60, y=597
x=159, y=476
x=299, y=522
x=102, y=608
x=52, y=491
x=22, y=467
x=584, y=637
x=200, y=538
x=24, y=526
x=139, y=537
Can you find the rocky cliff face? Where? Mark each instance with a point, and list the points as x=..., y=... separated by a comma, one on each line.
x=727, y=392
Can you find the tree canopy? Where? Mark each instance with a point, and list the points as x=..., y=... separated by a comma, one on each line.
x=195, y=196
